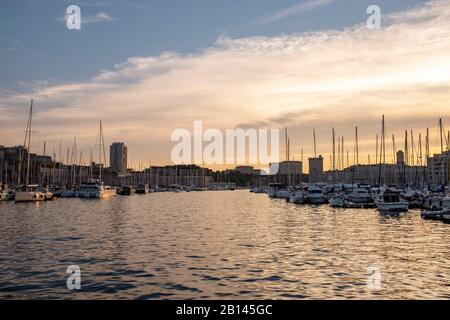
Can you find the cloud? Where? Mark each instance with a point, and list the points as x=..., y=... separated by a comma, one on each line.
x=99, y=17
x=309, y=80
x=296, y=9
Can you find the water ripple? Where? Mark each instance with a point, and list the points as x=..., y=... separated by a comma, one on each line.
x=217, y=245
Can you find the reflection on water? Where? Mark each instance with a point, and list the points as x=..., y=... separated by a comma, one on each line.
x=212, y=245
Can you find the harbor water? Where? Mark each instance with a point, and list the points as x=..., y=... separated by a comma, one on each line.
x=218, y=245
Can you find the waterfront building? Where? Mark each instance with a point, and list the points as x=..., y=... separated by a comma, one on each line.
x=118, y=157
x=316, y=170
x=286, y=172
x=385, y=174
x=400, y=157
x=290, y=167
x=438, y=172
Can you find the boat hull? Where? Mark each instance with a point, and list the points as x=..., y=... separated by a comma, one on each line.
x=297, y=199
x=29, y=196
x=94, y=194
x=396, y=207
x=317, y=200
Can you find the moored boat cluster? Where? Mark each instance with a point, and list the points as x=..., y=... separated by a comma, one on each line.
x=94, y=189
x=388, y=200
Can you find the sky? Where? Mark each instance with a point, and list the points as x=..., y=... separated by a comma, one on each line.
x=147, y=68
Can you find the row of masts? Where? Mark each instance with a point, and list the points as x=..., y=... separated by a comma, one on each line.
x=73, y=155
x=413, y=153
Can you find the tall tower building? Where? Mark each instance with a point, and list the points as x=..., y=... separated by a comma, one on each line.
x=118, y=157
x=400, y=157
x=316, y=169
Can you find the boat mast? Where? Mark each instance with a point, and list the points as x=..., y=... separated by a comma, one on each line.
x=100, y=149
x=420, y=150
x=41, y=166
x=66, y=169
x=100, y=152
x=357, y=146
x=339, y=154
x=29, y=142
x=289, y=162
x=60, y=164
x=394, y=149
x=91, y=160
x=334, y=150
x=382, y=156
x=384, y=142
x=376, y=150
x=427, y=146
x=394, y=158
x=406, y=148
x=1, y=172
x=334, y=156
x=412, y=149
x=315, y=147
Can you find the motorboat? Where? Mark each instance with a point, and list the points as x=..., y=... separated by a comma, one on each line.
x=390, y=201
x=95, y=189
x=436, y=203
x=337, y=201
x=283, y=194
x=29, y=193
x=298, y=197
x=315, y=195
x=435, y=215
x=415, y=198
x=359, y=196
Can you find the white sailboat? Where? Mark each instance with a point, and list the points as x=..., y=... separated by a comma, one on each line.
x=96, y=188
x=28, y=193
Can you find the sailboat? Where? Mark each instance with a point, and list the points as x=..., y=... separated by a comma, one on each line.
x=28, y=193
x=389, y=200
x=95, y=188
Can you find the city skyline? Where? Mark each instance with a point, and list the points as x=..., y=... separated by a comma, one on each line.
x=294, y=76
